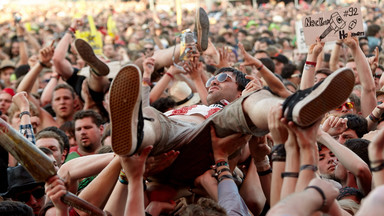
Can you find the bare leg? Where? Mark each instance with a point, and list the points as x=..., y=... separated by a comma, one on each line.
x=257, y=107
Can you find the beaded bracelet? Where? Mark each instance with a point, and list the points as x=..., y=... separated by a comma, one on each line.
x=225, y=177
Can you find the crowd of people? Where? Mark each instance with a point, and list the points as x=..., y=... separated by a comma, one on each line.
x=218, y=113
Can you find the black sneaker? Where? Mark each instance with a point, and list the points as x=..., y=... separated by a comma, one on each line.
x=85, y=51
x=201, y=29
x=127, y=122
x=306, y=106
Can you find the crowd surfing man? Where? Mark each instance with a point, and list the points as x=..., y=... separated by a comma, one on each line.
x=177, y=148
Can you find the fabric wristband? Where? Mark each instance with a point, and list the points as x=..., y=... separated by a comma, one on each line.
x=264, y=173
x=309, y=167
x=290, y=174
x=321, y=192
x=378, y=168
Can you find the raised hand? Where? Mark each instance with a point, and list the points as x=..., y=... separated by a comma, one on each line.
x=335, y=125
x=46, y=54
x=253, y=85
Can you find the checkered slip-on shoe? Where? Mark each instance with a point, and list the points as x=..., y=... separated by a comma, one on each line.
x=306, y=106
x=125, y=111
x=201, y=29
x=85, y=50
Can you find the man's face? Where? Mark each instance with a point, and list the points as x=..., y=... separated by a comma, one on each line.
x=109, y=51
x=15, y=49
x=5, y=102
x=327, y=162
x=88, y=134
x=346, y=108
x=35, y=198
x=223, y=90
x=54, y=146
x=5, y=75
x=346, y=135
x=62, y=103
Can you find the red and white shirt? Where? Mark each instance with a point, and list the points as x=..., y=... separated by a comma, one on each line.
x=203, y=110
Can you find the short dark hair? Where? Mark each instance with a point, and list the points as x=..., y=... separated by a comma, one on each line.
x=357, y=123
x=288, y=70
x=360, y=147
x=267, y=62
x=240, y=76
x=57, y=134
x=65, y=86
x=96, y=117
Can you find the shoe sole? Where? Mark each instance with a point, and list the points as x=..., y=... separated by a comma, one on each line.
x=327, y=96
x=202, y=26
x=87, y=54
x=124, y=105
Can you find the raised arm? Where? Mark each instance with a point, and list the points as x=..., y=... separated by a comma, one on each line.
x=134, y=167
x=335, y=55
x=62, y=65
x=273, y=82
x=376, y=156
x=45, y=56
x=308, y=78
x=20, y=31
x=368, y=93
x=349, y=159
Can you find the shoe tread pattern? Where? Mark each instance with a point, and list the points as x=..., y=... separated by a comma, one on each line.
x=87, y=54
x=124, y=104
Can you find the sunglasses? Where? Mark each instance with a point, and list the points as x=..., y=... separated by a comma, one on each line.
x=348, y=106
x=379, y=102
x=24, y=197
x=221, y=78
x=148, y=48
x=378, y=76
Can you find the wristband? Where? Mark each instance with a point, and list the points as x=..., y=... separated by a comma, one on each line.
x=264, y=173
x=221, y=163
x=310, y=63
x=225, y=177
x=170, y=75
x=223, y=170
x=290, y=174
x=309, y=167
x=373, y=118
x=321, y=192
x=378, y=168
x=24, y=113
x=278, y=152
x=43, y=65
x=72, y=30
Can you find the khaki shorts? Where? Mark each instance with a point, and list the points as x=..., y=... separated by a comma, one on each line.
x=194, y=140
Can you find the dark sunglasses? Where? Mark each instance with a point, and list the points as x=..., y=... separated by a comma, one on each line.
x=221, y=78
x=149, y=48
x=379, y=102
x=378, y=76
x=348, y=105
x=24, y=197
